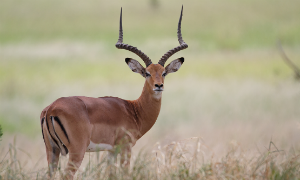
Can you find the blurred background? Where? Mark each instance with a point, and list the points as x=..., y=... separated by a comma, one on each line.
x=233, y=88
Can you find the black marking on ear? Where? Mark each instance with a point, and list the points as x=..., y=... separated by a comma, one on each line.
x=42, y=122
x=62, y=127
x=127, y=60
x=181, y=60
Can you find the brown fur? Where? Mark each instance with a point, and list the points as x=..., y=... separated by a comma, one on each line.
x=108, y=120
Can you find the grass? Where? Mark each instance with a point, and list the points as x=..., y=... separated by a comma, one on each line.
x=233, y=89
x=213, y=25
x=30, y=81
x=183, y=159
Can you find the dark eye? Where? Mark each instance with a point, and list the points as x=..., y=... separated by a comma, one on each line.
x=148, y=75
x=164, y=74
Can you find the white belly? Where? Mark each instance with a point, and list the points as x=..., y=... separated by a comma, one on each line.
x=98, y=147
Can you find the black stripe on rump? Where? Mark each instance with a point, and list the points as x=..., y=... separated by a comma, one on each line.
x=42, y=121
x=51, y=135
x=66, y=149
x=62, y=127
x=51, y=117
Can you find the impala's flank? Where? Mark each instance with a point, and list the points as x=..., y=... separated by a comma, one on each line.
x=80, y=124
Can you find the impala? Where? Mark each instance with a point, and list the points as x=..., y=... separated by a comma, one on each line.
x=80, y=124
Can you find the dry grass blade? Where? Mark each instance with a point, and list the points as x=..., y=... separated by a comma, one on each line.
x=178, y=160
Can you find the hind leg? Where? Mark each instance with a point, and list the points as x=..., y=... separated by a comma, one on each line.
x=52, y=152
x=52, y=158
x=74, y=163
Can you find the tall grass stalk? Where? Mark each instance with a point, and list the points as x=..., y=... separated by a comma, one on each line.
x=178, y=160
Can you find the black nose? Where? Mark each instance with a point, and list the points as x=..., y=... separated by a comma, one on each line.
x=159, y=86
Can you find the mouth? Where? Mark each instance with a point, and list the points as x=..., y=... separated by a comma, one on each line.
x=158, y=90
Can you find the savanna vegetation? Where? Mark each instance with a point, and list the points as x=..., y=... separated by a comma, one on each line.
x=232, y=111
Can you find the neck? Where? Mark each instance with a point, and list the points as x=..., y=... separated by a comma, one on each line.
x=148, y=108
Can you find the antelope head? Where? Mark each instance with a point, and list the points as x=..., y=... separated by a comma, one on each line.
x=153, y=73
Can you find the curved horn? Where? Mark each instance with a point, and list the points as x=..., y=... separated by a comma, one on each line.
x=121, y=45
x=182, y=46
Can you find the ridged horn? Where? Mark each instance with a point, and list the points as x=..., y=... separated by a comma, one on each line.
x=182, y=46
x=121, y=45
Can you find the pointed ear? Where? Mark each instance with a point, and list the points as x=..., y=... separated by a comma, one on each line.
x=135, y=66
x=174, y=65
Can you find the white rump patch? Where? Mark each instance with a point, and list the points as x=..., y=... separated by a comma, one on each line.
x=98, y=147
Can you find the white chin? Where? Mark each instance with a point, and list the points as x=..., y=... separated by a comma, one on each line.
x=158, y=91
x=157, y=94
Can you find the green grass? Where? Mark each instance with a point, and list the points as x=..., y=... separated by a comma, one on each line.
x=211, y=24
x=31, y=80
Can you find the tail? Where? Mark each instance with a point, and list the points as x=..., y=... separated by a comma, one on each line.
x=54, y=139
